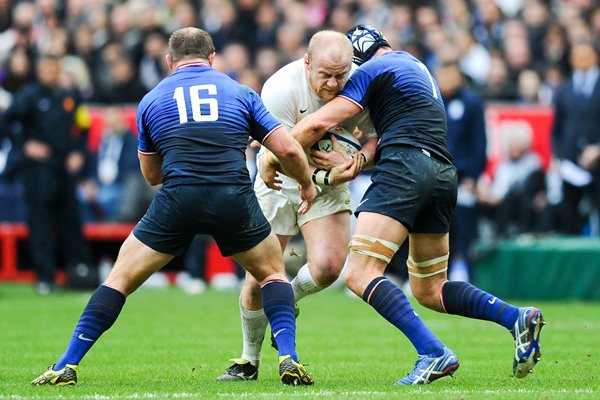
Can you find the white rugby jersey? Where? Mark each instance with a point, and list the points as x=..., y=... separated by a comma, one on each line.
x=289, y=98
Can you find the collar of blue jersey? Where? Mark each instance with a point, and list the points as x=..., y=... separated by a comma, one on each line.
x=194, y=64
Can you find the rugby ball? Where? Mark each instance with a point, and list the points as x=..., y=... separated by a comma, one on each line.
x=349, y=143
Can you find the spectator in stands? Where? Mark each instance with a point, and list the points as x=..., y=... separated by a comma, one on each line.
x=595, y=21
x=18, y=71
x=489, y=23
x=467, y=145
x=556, y=48
x=121, y=83
x=183, y=13
x=529, y=86
x=517, y=52
x=153, y=67
x=553, y=77
x=474, y=58
x=499, y=86
x=576, y=137
x=123, y=30
x=5, y=17
x=20, y=33
x=220, y=19
x=11, y=205
x=291, y=42
x=515, y=199
x=87, y=51
x=402, y=16
x=536, y=19
x=267, y=20
x=53, y=158
x=234, y=59
x=117, y=190
x=268, y=60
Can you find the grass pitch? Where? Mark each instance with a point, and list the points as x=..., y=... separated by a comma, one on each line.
x=167, y=344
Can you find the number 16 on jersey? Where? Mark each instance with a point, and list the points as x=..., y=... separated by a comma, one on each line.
x=211, y=104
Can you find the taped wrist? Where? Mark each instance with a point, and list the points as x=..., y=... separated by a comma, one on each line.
x=321, y=177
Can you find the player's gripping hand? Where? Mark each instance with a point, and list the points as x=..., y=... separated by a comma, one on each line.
x=307, y=194
x=331, y=159
x=347, y=171
x=268, y=173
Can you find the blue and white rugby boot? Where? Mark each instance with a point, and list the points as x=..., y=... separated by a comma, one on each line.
x=428, y=369
x=526, y=333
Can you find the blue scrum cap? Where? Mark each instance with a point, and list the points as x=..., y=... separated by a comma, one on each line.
x=366, y=40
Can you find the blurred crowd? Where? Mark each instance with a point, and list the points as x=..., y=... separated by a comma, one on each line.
x=482, y=51
x=112, y=51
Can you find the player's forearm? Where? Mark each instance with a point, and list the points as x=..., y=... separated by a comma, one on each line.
x=309, y=130
x=153, y=178
x=151, y=167
x=294, y=164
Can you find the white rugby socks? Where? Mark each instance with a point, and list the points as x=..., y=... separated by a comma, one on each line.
x=304, y=284
x=254, y=325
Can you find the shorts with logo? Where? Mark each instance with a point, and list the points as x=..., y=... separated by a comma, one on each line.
x=281, y=207
x=230, y=214
x=413, y=187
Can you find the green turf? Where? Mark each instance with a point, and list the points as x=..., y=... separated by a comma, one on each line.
x=167, y=344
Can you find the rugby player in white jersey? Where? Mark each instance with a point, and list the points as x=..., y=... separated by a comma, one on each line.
x=292, y=93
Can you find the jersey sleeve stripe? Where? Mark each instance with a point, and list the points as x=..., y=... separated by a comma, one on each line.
x=147, y=153
x=272, y=130
x=352, y=101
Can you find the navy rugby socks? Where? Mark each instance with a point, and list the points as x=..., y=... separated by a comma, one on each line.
x=278, y=304
x=101, y=312
x=462, y=298
x=389, y=301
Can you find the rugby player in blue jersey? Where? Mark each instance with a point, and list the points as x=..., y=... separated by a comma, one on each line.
x=193, y=130
x=412, y=195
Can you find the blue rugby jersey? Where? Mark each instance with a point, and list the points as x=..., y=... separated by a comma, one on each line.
x=198, y=120
x=404, y=101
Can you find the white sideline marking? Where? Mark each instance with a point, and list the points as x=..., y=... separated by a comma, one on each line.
x=304, y=394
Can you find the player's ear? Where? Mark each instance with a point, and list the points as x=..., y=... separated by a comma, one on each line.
x=306, y=60
x=169, y=61
x=211, y=58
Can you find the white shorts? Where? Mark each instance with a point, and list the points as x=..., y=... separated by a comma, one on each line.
x=281, y=207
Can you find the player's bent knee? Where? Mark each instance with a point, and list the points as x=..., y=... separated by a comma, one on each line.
x=355, y=279
x=371, y=246
x=426, y=296
x=326, y=273
x=251, y=287
x=350, y=280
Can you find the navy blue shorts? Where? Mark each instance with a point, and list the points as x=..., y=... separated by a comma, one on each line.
x=414, y=188
x=230, y=214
